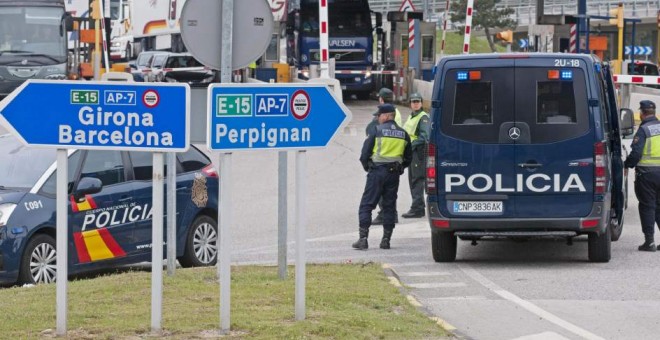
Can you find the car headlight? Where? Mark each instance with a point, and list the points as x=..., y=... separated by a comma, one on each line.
x=116, y=44
x=56, y=76
x=5, y=212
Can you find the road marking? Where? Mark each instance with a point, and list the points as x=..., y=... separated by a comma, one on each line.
x=458, y=298
x=542, y=336
x=436, y=285
x=418, y=274
x=471, y=272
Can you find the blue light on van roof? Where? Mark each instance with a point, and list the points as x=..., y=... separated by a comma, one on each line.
x=566, y=74
x=461, y=75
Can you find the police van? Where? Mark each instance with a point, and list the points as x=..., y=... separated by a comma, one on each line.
x=526, y=145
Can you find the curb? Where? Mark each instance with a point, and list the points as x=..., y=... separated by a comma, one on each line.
x=394, y=279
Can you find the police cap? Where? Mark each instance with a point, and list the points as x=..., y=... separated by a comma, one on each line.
x=415, y=96
x=646, y=104
x=385, y=108
x=386, y=94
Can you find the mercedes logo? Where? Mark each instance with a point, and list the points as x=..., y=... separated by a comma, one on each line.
x=514, y=133
x=24, y=62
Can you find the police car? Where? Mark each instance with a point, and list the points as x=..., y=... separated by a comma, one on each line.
x=526, y=145
x=110, y=210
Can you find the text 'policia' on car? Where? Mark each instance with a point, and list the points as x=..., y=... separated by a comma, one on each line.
x=110, y=210
x=526, y=145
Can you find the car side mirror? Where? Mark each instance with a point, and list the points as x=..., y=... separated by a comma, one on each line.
x=627, y=122
x=132, y=65
x=88, y=186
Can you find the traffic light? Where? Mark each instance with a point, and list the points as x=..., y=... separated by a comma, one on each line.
x=506, y=36
x=616, y=15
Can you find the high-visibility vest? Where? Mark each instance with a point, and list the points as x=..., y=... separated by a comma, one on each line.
x=412, y=123
x=397, y=117
x=651, y=152
x=390, y=144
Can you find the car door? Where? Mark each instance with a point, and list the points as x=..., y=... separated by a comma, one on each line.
x=554, y=154
x=102, y=224
x=475, y=156
x=143, y=188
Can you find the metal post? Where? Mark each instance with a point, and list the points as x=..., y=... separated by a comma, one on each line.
x=282, y=225
x=224, y=160
x=157, y=243
x=224, y=216
x=301, y=207
x=171, y=213
x=62, y=239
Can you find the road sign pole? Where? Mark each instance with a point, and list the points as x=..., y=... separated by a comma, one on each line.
x=225, y=218
x=301, y=207
x=282, y=223
x=62, y=239
x=171, y=213
x=157, y=243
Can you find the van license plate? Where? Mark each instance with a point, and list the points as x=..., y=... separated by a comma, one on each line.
x=343, y=87
x=478, y=207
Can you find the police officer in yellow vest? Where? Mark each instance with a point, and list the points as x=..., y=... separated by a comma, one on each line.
x=385, y=155
x=645, y=158
x=417, y=127
x=385, y=96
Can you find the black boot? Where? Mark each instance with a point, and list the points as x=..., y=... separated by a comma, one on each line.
x=413, y=214
x=649, y=244
x=361, y=243
x=387, y=236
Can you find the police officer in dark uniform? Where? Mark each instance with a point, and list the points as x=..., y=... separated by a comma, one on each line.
x=385, y=155
x=645, y=158
x=418, y=127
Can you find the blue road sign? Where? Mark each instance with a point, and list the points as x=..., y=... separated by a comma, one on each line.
x=639, y=50
x=523, y=43
x=267, y=116
x=100, y=115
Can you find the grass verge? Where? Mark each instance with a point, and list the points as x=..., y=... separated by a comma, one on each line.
x=343, y=301
x=454, y=44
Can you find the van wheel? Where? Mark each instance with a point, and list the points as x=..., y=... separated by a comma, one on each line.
x=616, y=228
x=38, y=263
x=443, y=246
x=600, y=246
x=201, y=244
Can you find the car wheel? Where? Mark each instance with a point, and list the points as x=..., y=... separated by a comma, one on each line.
x=201, y=243
x=600, y=246
x=616, y=228
x=38, y=263
x=443, y=246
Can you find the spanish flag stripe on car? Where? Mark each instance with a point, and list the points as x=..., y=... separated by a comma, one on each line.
x=87, y=204
x=96, y=245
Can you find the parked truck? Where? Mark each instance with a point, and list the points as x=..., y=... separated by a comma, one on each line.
x=351, y=41
x=148, y=25
x=33, y=42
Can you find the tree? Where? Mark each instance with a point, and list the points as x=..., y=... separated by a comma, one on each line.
x=485, y=15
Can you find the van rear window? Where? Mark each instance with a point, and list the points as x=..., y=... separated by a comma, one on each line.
x=473, y=103
x=555, y=103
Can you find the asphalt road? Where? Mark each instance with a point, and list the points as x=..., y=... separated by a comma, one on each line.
x=539, y=289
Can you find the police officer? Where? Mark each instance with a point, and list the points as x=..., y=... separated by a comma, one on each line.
x=385, y=155
x=645, y=158
x=385, y=96
x=417, y=127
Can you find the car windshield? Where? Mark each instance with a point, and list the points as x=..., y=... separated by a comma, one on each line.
x=181, y=61
x=32, y=33
x=22, y=166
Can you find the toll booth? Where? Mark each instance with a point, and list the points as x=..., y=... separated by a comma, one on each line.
x=421, y=54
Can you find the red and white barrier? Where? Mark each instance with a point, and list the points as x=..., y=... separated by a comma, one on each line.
x=632, y=79
x=323, y=38
x=572, y=41
x=365, y=72
x=444, y=29
x=468, y=26
x=411, y=33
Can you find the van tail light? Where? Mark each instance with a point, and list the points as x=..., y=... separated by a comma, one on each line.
x=209, y=171
x=600, y=171
x=431, y=185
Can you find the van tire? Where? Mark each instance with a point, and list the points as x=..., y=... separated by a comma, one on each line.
x=600, y=246
x=443, y=246
x=40, y=250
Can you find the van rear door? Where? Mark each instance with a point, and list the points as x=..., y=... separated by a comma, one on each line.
x=554, y=155
x=474, y=158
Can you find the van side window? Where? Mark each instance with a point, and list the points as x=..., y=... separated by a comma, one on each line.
x=473, y=103
x=555, y=103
